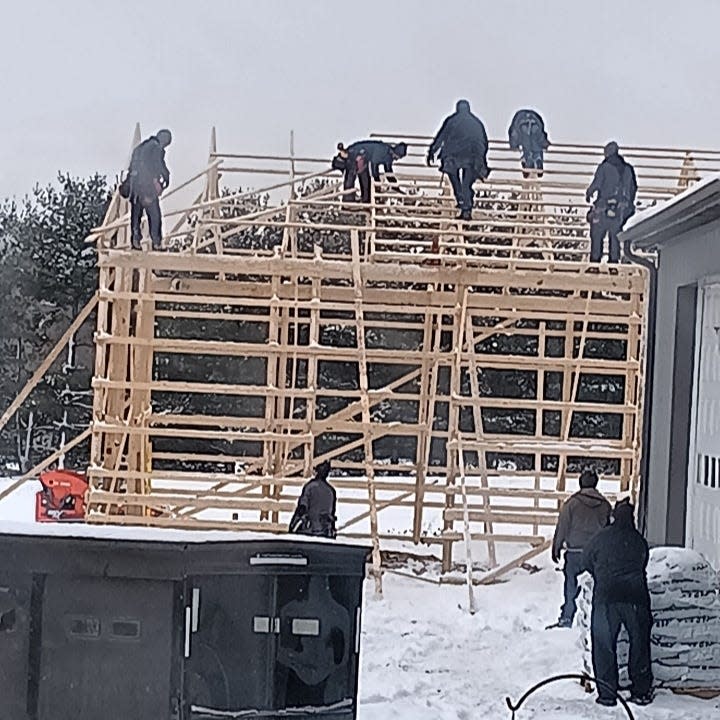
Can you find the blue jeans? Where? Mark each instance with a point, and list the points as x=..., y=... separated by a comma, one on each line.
x=572, y=570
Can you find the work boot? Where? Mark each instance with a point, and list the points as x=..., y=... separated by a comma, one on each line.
x=565, y=623
x=465, y=215
x=135, y=243
x=641, y=699
x=606, y=702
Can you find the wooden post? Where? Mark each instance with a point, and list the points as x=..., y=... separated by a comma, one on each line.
x=565, y=430
x=688, y=173
x=454, y=414
x=365, y=402
x=479, y=431
x=466, y=528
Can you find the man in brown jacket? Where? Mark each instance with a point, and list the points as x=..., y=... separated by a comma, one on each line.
x=582, y=516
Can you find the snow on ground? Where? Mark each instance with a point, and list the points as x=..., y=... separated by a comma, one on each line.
x=424, y=657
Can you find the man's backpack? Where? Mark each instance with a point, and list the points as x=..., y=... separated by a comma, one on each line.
x=524, y=124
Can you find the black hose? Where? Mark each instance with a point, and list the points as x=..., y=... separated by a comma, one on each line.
x=630, y=254
x=569, y=676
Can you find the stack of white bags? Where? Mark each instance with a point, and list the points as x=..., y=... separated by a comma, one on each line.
x=685, y=599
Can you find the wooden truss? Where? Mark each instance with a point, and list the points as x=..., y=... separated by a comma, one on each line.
x=420, y=311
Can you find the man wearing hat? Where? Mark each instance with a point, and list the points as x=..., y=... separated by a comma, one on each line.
x=582, y=516
x=617, y=558
x=362, y=160
x=315, y=512
x=148, y=176
x=615, y=188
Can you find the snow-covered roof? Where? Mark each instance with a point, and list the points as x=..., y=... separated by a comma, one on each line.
x=668, y=220
x=667, y=204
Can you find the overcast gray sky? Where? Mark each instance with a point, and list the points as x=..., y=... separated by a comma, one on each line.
x=77, y=74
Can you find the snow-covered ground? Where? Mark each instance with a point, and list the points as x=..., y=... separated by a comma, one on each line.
x=424, y=657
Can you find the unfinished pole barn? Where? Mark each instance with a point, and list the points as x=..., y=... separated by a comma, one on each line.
x=443, y=366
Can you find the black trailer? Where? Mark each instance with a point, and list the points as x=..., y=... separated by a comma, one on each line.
x=135, y=627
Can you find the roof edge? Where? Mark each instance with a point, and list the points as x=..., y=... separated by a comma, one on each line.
x=694, y=207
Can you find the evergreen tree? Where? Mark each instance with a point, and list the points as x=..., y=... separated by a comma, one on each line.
x=48, y=274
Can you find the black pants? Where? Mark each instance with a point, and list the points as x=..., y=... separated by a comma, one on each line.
x=351, y=173
x=151, y=205
x=462, y=179
x=601, y=225
x=607, y=619
x=572, y=570
x=532, y=159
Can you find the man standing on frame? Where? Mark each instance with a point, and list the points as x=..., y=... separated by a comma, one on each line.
x=614, y=187
x=461, y=145
x=148, y=176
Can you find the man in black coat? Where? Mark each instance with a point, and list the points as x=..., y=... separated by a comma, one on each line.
x=582, y=516
x=616, y=187
x=527, y=133
x=315, y=512
x=461, y=145
x=363, y=159
x=617, y=558
x=148, y=176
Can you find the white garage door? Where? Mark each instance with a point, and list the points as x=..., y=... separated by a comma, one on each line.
x=703, y=521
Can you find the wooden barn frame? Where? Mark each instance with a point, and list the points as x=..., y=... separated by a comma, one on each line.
x=433, y=307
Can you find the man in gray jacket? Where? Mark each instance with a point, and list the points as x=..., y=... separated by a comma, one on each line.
x=315, y=512
x=582, y=516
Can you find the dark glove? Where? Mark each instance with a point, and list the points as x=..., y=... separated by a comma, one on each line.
x=430, y=158
x=587, y=197
x=555, y=556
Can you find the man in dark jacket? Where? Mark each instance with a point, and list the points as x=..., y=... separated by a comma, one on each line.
x=617, y=558
x=582, y=516
x=462, y=146
x=616, y=187
x=363, y=159
x=315, y=512
x=527, y=133
x=148, y=176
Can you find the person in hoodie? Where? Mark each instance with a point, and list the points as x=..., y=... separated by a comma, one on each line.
x=461, y=145
x=527, y=133
x=363, y=160
x=615, y=188
x=148, y=176
x=617, y=558
x=315, y=511
x=582, y=516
